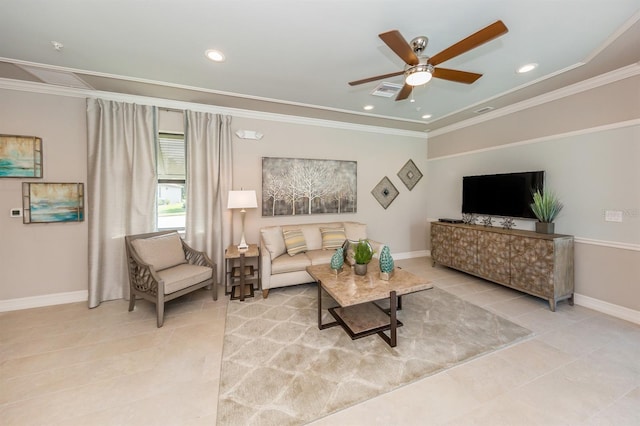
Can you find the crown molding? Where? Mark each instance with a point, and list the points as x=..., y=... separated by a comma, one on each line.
x=48, y=89
x=589, y=84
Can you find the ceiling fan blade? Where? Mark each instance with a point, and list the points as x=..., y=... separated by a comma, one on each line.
x=379, y=77
x=474, y=40
x=455, y=75
x=399, y=45
x=404, y=92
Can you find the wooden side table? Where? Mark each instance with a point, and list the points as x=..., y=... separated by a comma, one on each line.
x=240, y=276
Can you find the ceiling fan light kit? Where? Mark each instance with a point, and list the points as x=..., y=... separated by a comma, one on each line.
x=418, y=75
x=419, y=69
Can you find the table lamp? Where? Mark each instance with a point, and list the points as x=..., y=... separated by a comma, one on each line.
x=242, y=200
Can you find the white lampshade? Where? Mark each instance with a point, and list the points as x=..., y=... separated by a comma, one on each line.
x=242, y=200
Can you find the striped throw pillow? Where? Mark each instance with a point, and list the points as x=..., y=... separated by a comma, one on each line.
x=295, y=242
x=332, y=238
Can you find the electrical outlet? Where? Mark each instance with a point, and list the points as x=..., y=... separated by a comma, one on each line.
x=613, y=216
x=15, y=212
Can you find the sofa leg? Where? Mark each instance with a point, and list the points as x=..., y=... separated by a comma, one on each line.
x=265, y=293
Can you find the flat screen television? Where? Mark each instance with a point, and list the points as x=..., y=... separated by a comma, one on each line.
x=508, y=194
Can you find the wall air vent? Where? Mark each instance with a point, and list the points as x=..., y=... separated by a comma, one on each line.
x=484, y=110
x=387, y=90
x=56, y=77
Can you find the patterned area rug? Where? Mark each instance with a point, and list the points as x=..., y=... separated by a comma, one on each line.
x=278, y=368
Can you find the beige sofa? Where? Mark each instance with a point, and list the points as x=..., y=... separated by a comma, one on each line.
x=280, y=268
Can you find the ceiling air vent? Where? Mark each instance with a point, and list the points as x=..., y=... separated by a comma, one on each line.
x=58, y=78
x=484, y=110
x=387, y=90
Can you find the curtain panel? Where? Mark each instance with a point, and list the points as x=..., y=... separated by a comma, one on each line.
x=121, y=195
x=209, y=179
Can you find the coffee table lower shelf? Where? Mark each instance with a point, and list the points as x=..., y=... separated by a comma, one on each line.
x=363, y=320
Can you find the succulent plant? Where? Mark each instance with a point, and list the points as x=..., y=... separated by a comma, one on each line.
x=386, y=261
x=363, y=252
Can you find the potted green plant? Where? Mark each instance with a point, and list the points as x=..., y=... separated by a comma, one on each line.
x=362, y=254
x=546, y=206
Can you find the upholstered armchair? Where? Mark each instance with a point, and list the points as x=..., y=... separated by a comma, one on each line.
x=163, y=267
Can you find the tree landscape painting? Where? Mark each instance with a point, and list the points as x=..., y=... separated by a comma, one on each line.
x=292, y=186
x=53, y=202
x=20, y=156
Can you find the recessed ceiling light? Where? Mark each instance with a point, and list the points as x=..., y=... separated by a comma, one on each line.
x=368, y=107
x=526, y=68
x=215, y=55
x=426, y=116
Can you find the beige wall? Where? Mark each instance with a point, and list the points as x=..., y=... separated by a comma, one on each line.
x=589, y=146
x=47, y=259
x=43, y=259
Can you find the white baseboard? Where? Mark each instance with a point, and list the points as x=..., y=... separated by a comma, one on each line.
x=411, y=254
x=617, y=311
x=44, y=300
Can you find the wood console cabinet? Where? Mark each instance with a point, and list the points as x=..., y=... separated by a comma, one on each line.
x=538, y=264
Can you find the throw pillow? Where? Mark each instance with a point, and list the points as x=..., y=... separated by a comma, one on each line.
x=332, y=238
x=272, y=238
x=162, y=252
x=294, y=241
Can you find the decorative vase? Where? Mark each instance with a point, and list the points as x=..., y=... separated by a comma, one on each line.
x=337, y=260
x=545, y=227
x=386, y=264
x=360, y=268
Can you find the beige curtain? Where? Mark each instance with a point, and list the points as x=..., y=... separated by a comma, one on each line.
x=209, y=179
x=121, y=190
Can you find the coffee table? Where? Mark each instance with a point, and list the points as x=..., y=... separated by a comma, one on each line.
x=358, y=314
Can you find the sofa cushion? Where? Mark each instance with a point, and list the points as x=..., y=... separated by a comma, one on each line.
x=294, y=241
x=273, y=241
x=163, y=251
x=283, y=264
x=319, y=257
x=183, y=276
x=332, y=238
x=355, y=231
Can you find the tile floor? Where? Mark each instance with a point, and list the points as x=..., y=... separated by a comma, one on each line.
x=67, y=365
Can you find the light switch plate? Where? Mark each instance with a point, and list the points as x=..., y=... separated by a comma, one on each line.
x=613, y=216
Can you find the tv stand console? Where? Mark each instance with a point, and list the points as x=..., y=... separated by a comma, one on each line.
x=538, y=264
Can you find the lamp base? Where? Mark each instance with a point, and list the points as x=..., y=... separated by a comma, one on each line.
x=243, y=246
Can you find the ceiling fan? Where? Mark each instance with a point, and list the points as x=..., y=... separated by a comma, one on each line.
x=420, y=68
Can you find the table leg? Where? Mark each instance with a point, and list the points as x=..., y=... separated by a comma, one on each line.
x=242, y=277
x=393, y=318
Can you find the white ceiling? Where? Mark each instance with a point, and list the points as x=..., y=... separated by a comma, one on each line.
x=303, y=52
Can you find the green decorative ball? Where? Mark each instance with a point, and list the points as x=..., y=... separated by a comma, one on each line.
x=386, y=261
x=337, y=260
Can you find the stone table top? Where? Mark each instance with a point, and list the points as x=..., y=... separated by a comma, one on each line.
x=349, y=289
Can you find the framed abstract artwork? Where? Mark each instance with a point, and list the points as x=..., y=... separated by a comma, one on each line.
x=52, y=202
x=20, y=156
x=295, y=186
x=385, y=192
x=409, y=174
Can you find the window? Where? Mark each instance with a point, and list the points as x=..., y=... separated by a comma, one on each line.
x=171, y=199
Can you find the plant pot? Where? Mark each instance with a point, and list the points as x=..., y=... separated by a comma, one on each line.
x=360, y=268
x=545, y=227
x=386, y=276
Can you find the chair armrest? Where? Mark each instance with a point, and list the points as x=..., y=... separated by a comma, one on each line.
x=143, y=276
x=195, y=257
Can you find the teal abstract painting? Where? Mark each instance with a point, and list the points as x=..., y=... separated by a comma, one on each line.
x=20, y=156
